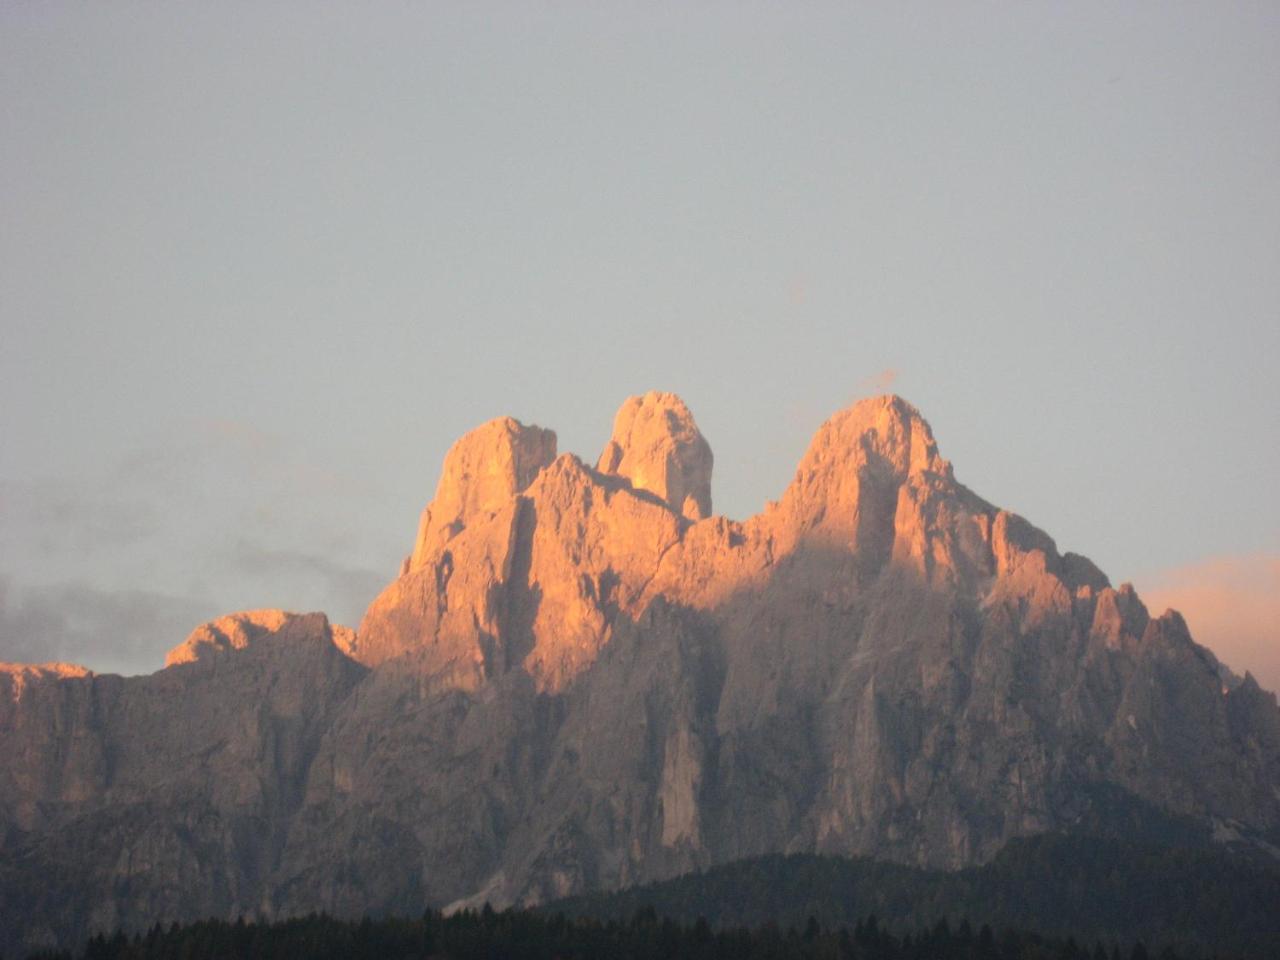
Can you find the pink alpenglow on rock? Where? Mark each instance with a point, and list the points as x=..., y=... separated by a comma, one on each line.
x=482, y=472
x=583, y=680
x=239, y=631
x=658, y=447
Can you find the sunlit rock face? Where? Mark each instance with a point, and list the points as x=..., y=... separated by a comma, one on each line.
x=169, y=795
x=657, y=447
x=238, y=631
x=582, y=678
x=482, y=472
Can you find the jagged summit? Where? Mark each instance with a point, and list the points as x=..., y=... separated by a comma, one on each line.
x=589, y=549
x=658, y=447
x=885, y=430
x=529, y=562
x=52, y=669
x=482, y=471
x=16, y=676
x=582, y=679
x=239, y=631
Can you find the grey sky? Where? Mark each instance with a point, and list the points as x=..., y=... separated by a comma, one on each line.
x=262, y=263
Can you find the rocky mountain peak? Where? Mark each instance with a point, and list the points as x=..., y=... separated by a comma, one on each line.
x=482, y=472
x=657, y=446
x=885, y=432
x=239, y=631
x=57, y=670
x=571, y=687
x=873, y=484
x=15, y=677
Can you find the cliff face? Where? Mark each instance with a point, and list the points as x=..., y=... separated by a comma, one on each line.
x=583, y=679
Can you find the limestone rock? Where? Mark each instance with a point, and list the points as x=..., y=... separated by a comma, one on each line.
x=123, y=799
x=482, y=472
x=571, y=686
x=658, y=447
x=14, y=677
x=239, y=630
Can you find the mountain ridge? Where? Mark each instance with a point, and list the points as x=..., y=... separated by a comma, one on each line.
x=582, y=679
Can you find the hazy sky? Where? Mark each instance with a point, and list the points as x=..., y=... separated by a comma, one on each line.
x=260, y=264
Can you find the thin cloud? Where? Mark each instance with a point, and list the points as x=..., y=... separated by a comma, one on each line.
x=798, y=289
x=170, y=520
x=125, y=631
x=881, y=382
x=1232, y=605
x=340, y=590
x=71, y=518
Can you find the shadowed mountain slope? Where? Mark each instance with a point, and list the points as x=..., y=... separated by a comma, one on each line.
x=582, y=680
x=1199, y=901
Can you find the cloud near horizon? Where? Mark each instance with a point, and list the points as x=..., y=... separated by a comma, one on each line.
x=1231, y=604
x=315, y=581
x=123, y=631
x=130, y=631
x=112, y=568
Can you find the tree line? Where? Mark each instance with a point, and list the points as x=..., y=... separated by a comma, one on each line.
x=532, y=935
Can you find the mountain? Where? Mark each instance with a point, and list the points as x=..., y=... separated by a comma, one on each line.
x=583, y=679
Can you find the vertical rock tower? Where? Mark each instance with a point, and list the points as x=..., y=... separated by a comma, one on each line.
x=657, y=446
x=582, y=679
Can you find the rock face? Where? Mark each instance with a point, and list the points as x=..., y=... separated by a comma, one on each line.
x=482, y=472
x=237, y=631
x=657, y=446
x=582, y=679
x=166, y=795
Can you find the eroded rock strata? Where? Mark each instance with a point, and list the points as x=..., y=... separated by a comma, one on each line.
x=582, y=678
